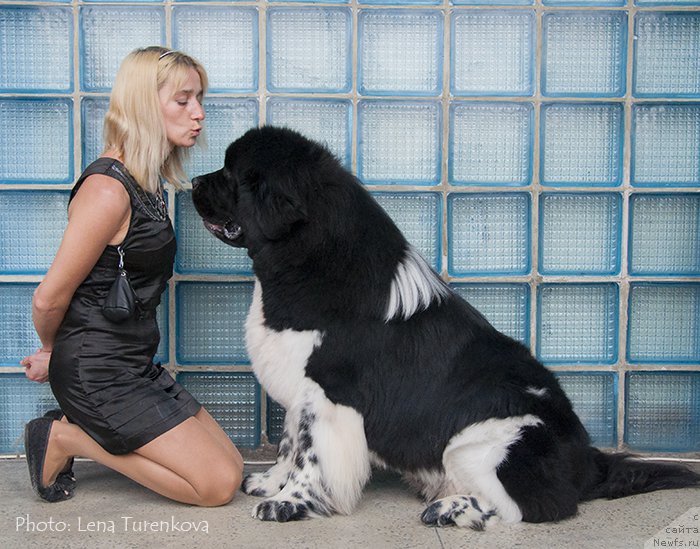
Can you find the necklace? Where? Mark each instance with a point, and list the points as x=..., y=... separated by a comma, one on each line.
x=156, y=208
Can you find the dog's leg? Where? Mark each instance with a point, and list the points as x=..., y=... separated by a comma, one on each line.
x=273, y=480
x=330, y=465
x=470, y=460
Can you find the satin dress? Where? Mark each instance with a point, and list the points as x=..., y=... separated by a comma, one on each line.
x=102, y=373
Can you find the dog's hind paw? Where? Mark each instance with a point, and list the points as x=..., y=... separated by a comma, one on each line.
x=464, y=511
x=263, y=484
x=281, y=511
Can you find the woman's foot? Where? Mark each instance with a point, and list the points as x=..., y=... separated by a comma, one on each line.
x=45, y=460
x=65, y=476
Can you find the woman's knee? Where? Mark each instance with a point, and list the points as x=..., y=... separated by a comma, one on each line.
x=220, y=486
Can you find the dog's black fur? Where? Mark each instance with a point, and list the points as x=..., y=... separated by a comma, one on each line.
x=426, y=374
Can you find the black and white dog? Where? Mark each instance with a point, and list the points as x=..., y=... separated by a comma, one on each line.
x=377, y=362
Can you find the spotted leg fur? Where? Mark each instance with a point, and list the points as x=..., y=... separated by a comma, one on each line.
x=465, y=511
x=329, y=463
x=274, y=479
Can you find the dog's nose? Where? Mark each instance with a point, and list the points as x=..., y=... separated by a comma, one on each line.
x=195, y=182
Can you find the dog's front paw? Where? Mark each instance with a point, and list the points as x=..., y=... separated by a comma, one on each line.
x=460, y=511
x=264, y=484
x=281, y=511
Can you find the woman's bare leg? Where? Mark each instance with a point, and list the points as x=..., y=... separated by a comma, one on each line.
x=189, y=463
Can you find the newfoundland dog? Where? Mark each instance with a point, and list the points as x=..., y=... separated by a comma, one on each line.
x=378, y=362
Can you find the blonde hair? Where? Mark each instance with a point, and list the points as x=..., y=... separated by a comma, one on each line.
x=134, y=126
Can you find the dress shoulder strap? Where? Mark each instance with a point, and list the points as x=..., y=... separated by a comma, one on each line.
x=109, y=167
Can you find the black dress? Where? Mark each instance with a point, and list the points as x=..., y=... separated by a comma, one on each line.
x=101, y=373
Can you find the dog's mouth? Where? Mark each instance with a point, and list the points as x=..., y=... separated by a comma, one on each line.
x=230, y=232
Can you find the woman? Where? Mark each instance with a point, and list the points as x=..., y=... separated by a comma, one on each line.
x=120, y=409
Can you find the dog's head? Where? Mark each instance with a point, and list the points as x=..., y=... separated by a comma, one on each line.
x=262, y=193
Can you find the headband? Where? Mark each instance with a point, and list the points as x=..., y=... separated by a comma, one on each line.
x=166, y=53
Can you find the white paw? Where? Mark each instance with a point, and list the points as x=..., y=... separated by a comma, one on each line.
x=265, y=484
x=464, y=511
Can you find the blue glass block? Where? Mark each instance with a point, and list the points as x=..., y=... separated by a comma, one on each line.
x=399, y=142
x=569, y=3
x=211, y=34
x=275, y=421
x=580, y=233
x=505, y=306
x=488, y=234
x=490, y=143
x=577, y=323
x=226, y=120
x=309, y=49
x=664, y=234
x=667, y=55
x=419, y=216
x=662, y=411
x=31, y=225
x=93, y=111
x=664, y=323
x=667, y=2
x=39, y=147
x=582, y=144
x=32, y=65
x=21, y=400
x=327, y=121
x=109, y=33
x=492, y=2
x=400, y=52
x=211, y=322
x=163, y=324
x=232, y=399
x=584, y=53
x=398, y=2
x=18, y=337
x=198, y=251
x=594, y=398
x=666, y=145
x=493, y=52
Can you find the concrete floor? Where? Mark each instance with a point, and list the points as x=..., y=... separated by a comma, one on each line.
x=387, y=517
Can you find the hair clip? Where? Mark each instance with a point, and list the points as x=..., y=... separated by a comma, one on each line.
x=165, y=53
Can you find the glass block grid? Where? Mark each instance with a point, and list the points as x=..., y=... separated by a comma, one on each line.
x=667, y=55
x=39, y=149
x=308, y=49
x=211, y=322
x=488, y=233
x=594, y=396
x=275, y=421
x=662, y=411
x=664, y=323
x=580, y=233
x=666, y=145
x=506, y=306
x=399, y=52
x=490, y=143
x=492, y=52
x=579, y=240
x=20, y=401
x=577, y=323
x=24, y=251
x=665, y=234
x=584, y=53
x=582, y=144
x=233, y=400
x=29, y=64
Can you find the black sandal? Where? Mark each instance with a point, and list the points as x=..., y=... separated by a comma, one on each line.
x=65, y=477
x=36, y=441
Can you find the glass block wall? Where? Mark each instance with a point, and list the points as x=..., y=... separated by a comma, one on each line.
x=544, y=156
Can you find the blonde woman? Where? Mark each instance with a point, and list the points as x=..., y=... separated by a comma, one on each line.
x=121, y=409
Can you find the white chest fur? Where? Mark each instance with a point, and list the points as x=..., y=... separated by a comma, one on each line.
x=278, y=357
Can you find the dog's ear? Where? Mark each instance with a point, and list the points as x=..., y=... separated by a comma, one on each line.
x=279, y=206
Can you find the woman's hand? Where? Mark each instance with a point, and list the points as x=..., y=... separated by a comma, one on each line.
x=37, y=366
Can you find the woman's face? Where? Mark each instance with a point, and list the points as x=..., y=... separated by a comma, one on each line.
x=182, y=110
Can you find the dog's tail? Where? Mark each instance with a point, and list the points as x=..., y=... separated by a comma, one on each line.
x=620, y=475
